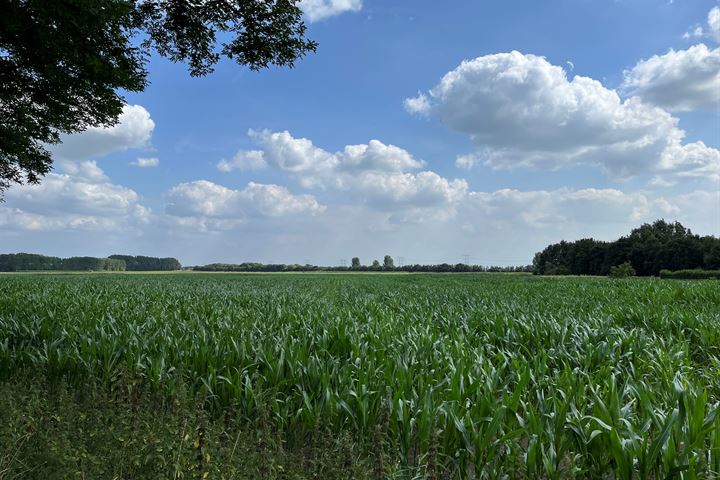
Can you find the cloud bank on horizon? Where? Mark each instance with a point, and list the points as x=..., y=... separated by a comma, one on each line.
x=286, y=197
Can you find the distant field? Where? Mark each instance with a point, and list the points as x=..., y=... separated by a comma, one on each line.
x=357, y=376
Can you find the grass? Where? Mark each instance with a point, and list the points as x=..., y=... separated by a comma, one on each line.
x=420, y=376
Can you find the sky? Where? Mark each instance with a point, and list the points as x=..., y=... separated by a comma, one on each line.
x=429, y=131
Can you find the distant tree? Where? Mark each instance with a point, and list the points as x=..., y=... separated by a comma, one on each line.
x=355, y=262
x=623, y=270
x=64, y=63
x=388, y=263
x=376, y=265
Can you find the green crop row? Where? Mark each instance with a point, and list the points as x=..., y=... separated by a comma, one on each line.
x=463, y=376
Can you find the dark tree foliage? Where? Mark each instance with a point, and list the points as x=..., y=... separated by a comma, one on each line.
x=81, y=264
x=388, y=263
x=147, y=264
x=64, y=63
x=649, y=249
x=18, y=262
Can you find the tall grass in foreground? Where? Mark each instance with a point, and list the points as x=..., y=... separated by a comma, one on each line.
x=459, y=376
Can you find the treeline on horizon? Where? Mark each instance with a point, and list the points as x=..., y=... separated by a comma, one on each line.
x=659, y=249
x=650, y=249
x=20, y=262
x=437, y=268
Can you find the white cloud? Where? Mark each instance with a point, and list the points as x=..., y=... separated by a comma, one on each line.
x=133, y=130
x=467, y=161
x=419, y=105
x=243, y=160
x=696, y=32
x=143, y=162
x=316, y=10
x=522, y=111
x=318, y=167
x=383, y=176
x=204, y=199
x=79, y=197
x=678, y=81
x=713, y=27
x=713, y=21
x=544, y=209
x=495, y=227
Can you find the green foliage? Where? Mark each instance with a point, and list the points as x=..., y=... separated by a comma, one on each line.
x=649, y=248
x=80, y=264
x=355, y=262
x=147, y=264
x=696, y=274
x=64, y=63
x=54, y=431
x=19, y=262
x=388, y=263
x=437, y=376
x=623, y=270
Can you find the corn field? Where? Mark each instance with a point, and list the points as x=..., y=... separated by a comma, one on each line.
x=438, y=376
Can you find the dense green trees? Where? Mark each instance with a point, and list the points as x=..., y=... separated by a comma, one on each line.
x=145, y=264
x=19, y=262
x=649, y=249
x=65, y=63
x=92, y=264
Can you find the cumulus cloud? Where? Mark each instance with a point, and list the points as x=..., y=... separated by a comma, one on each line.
x=81, y=196
x=243, y=160
x=679, y=80
x=542, y=208
x=316, y=10
x=501, y=226
x=419, y=105
x=386, y=177
x=208, y=200
x=713, y=21
x=712, y=30
x=520, y=110
x=143, y=162
x=317, y=167
x=696, y=32
x=133, y=130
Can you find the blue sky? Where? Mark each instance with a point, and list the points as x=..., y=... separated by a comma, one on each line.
x=568, y=119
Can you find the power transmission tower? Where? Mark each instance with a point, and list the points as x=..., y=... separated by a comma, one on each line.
x=466, y=259
x=343, y=262
x=401, y=261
